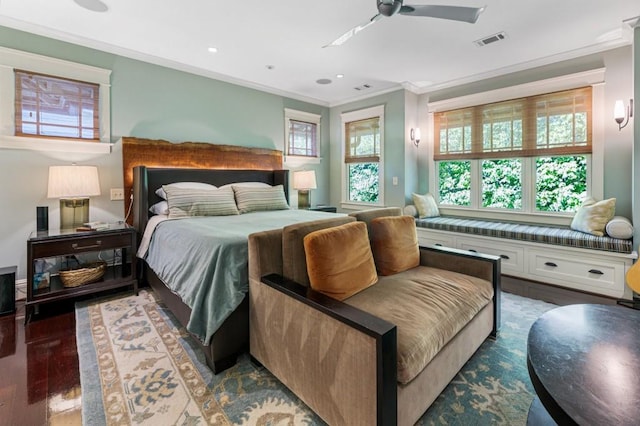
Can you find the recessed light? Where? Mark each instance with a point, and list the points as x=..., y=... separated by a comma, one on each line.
x=339, y=75
x=323, y=81
x=213, y=50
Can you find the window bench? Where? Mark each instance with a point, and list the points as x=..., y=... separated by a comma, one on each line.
x=549, y=254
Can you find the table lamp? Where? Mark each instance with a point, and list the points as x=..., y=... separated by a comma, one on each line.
x=73, y=185
x=303, y=181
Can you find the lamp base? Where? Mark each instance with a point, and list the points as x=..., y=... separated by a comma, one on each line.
x=73, y=212
x=303, y=199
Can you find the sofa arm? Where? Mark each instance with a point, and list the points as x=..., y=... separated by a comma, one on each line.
x=339, y=360
x=479, y=265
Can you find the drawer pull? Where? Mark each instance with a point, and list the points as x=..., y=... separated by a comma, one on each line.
x=77, y=246
x=438, y=245
x=595, y=271
x=475, y=251
x=504, y=256
x=550, y=264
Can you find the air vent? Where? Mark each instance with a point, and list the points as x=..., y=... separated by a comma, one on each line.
x=491, y=39
x=363, y=87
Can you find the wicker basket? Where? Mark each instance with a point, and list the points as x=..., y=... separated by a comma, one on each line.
x=84, y=274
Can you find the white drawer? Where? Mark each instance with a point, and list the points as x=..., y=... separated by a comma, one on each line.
x=512, y=256
x=427, y=237
x=578, y=272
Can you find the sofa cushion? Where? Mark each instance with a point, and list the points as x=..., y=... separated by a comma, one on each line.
x=431, y=308
x=339, y=260
x=294, y=263
x=394, y=242
x=367, y=216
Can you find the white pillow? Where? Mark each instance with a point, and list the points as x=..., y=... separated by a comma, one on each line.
x=426, y=205
x=247, y=185
x=619, y=227
x=184, y=185
x=593, y=216
x=161, y=207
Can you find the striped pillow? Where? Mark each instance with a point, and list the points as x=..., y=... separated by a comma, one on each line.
x=253, y=199
x=185, y=202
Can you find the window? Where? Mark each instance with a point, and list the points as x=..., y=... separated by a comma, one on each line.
x=363, y=147
x=302, y=137
x=52, y=105
x=529, y=154
x=56, y=107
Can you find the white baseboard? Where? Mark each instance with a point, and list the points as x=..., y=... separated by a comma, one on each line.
x=21, y=289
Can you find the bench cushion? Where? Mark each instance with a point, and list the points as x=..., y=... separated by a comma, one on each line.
x=432, y=306
x=560, y=236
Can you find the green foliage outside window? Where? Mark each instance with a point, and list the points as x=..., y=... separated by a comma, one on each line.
x=455, y=182
x=363, y=182
x=561, y=183
x=502, y=184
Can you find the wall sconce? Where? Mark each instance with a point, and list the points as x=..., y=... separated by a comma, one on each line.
x=621, y=115
x=73, y=185
x=303, y=181
x=415, y=136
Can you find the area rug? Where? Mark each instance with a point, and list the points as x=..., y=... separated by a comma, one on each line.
x=138, y=366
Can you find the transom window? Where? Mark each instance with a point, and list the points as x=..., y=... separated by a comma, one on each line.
x=48, y=106
x=530, y=154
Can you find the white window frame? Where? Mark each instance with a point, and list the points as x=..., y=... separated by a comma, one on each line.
x=11, y=59
x=347, y=117
x=301, y=160
x=595, y=161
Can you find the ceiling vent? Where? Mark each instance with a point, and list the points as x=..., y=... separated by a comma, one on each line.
x=491, y=39
x=363, y=87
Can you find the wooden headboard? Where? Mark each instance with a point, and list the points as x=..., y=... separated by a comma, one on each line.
x=191, y=155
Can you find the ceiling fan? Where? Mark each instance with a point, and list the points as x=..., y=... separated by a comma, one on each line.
x=391, y=7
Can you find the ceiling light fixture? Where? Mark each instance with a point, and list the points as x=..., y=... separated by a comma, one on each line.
x=92, y=5
x=212, y=50
x=339, y=75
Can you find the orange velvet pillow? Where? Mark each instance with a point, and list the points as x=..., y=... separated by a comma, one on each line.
x=394, y=241
x=339, y=260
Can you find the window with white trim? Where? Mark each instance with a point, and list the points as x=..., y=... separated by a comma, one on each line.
x=530, y=154
x=53, y=105
x=302, y=135
x=363, y=147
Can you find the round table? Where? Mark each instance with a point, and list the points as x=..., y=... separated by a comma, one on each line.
x=584, y=363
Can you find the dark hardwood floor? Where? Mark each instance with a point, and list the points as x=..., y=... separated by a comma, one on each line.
x=39, y=375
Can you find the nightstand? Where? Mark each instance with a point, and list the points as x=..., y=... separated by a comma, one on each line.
x=111, y=250
x=328, y=209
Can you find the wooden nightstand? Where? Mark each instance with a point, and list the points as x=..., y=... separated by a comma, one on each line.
x=60, y=247
x=328, y=209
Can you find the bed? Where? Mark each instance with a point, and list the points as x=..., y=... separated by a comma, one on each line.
x=222, y=336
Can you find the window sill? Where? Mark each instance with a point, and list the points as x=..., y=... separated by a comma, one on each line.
x=54, y=145
x=350, y=205
x=297, y=161
x=562, y=219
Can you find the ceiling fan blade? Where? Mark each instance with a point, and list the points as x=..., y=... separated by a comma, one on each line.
x=454, y=13
x=353, y=31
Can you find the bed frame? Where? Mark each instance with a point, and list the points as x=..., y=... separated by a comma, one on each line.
x=232, y=338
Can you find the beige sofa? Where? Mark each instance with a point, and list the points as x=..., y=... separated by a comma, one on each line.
x=383, y=355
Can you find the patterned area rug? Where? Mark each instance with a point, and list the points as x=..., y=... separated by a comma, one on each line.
x=137, y=366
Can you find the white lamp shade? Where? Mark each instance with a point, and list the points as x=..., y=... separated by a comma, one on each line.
x=619, y=111
x=304, y=179
x=73, y=182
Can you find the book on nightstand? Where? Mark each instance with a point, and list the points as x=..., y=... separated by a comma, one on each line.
x=93, y=226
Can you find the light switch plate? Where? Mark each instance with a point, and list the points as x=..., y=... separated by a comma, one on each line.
x=117, y=194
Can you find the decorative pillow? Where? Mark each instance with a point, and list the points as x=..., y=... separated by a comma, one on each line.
x=160, y=192
x=410, y=210
x=200, y=202
x=593, y=216
x=161, y=207
x=619, y=227
x=253, y=199
x=426, y=205
x=394, y=241
x=339, y=260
